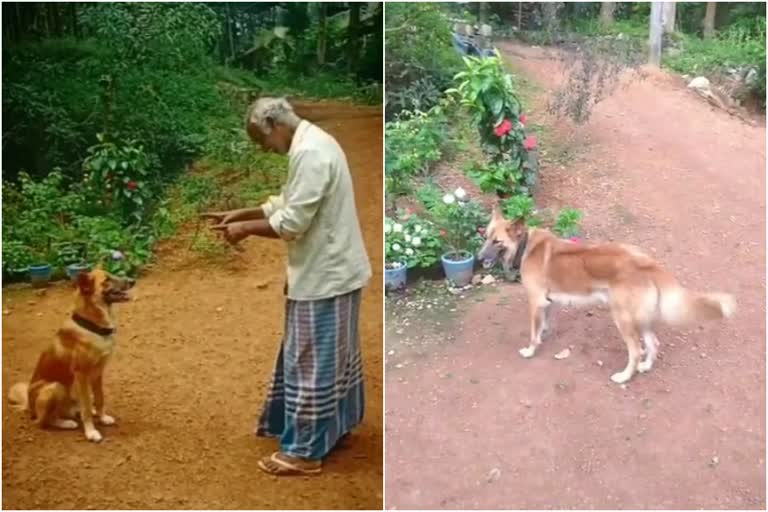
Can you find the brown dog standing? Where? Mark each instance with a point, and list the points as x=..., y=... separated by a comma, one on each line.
x=640, y=293
x=75, y=360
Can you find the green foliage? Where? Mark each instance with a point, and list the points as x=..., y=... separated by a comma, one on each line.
x=429, y=195
x=411, y=240
x=420, y=58
x=117, y=178
x=568, y=223
x=501, y=178
x=742, y=45
x=413, y=144
x=487, y=91
x=520, y=206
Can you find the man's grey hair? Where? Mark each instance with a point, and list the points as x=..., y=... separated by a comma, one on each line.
x=276, y=109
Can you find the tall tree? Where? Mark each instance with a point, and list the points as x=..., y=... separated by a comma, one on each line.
x=606, y=13
x=353, y=31
x=668, y=17
x=709, y=20
x=656, y=32
x=322, y=33
x=482, y=13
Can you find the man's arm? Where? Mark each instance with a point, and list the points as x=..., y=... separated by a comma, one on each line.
x=303, y=198
x=236, y=231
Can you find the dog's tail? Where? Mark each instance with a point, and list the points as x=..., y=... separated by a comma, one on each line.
x=679, y=306
x=18, y=396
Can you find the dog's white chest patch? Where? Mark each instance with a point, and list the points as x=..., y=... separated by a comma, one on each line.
x=568, y=299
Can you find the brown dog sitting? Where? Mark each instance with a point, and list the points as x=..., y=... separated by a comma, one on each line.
x=76, y=359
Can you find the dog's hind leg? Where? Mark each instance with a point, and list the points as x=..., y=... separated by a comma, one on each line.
x=538, y=314
x=48, y=403
x=631, y=337
x=651, y=343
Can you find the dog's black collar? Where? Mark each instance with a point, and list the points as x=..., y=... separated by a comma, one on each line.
x=90, y=326
x=518, y=259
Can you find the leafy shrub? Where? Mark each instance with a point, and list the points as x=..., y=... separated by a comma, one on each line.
x=501, y=178
x=420, y=58
x=411, y=240
x=568, y=223
x=413, y=143
x=520, y=206
x=487, y=91
x=458, y=219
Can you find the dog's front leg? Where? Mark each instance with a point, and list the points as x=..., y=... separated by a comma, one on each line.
x=83, y=383
x=98, y=400
x=538, y=314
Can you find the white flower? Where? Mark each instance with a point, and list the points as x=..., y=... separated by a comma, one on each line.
x=396, y=247
x=397, y=228
x=407, y=237
x=416, y=241
x=449, y=199
x=460, y=193
x=409, y=251
x=417, y=228
x=387, y=228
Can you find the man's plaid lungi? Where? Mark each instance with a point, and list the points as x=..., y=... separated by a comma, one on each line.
x=316, y=395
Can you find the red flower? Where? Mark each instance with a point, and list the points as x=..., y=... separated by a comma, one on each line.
x=575, y=239
x=530, y=142
x=503, y=128
x=132, y=185
x=523, y=118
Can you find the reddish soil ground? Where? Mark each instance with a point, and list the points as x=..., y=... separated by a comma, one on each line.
x=470, y=424
x=195, y=355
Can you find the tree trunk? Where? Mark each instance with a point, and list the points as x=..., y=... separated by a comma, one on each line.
x=482, y=13
x=709, y=20
x=656, y=31
x=668, y=17
x=321, y=33
x=353, y=31
x=73, y=20
x=606, y=13
x=230, y=35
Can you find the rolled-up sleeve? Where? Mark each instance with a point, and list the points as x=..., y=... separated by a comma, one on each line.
x=272, y=204
x=303, y=196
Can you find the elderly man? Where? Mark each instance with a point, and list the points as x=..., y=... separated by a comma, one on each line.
x=316, y=395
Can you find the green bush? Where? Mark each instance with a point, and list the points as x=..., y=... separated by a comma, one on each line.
x=568, y=223
x=413, y=144
x=420, y=58
x=411, y=240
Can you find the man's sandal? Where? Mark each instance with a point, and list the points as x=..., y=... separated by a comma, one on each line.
x=280, y=464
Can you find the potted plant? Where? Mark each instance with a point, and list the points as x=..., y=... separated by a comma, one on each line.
x=395, y=262
x=17, y=258
x=458, y=219
x=40, y=270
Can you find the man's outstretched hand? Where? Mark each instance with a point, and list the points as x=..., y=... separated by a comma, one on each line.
x=233, y=232
x=218, y=217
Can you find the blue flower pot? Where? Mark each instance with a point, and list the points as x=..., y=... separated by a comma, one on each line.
x=459, y=272
x=75, y=268
x=394, y=278
x=39, y=275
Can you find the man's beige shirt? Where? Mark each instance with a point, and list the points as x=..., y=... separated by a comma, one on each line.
x=316, y=215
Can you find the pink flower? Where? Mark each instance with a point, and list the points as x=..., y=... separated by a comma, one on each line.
x=443, y=233
x=530, y=142
x=575, y=239
x=503, y=128
x=523, y=118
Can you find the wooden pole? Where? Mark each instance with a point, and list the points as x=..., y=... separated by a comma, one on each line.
x=656, y=31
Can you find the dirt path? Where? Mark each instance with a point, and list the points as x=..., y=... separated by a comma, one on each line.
x=195, y=355
x=470, y=424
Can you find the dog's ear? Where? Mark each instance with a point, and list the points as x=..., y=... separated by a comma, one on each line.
x=496, y=213
x=85, y=282
x=516, y=229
